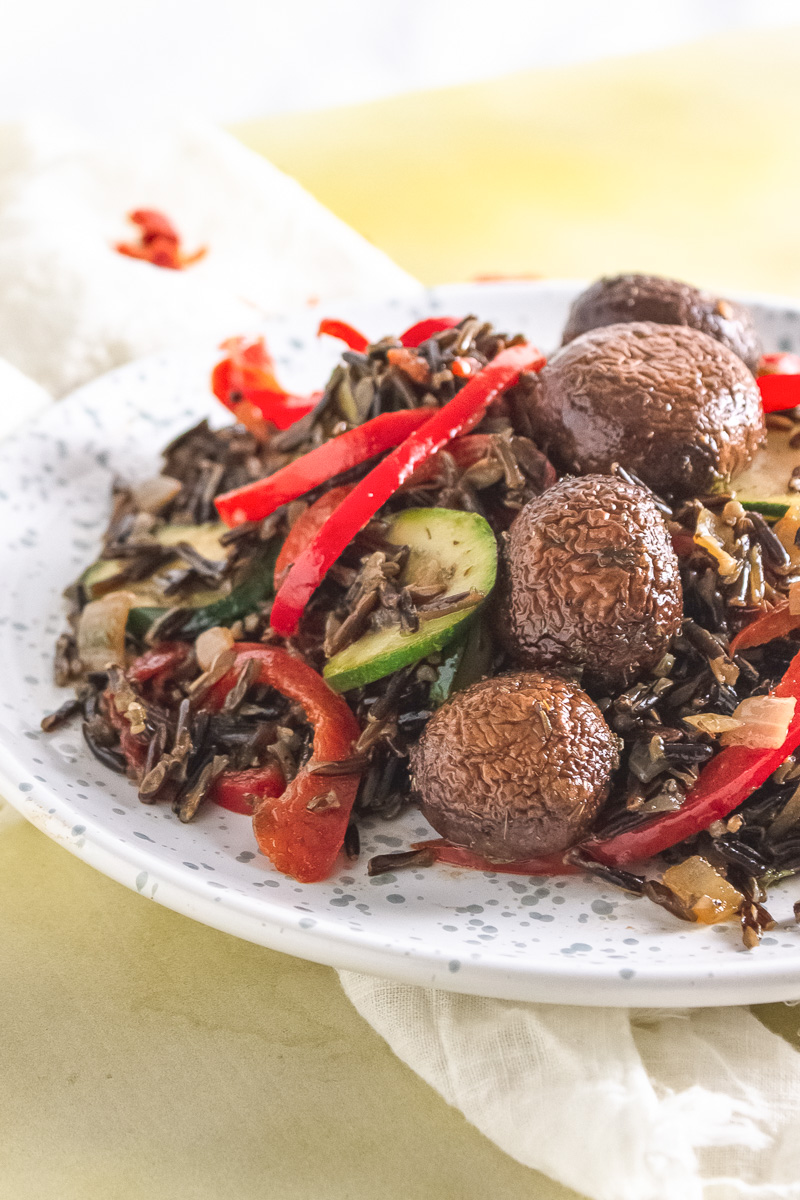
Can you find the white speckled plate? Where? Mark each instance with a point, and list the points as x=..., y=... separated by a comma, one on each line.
x=570, y=941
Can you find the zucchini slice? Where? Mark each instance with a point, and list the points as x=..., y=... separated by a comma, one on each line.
x=457, y=548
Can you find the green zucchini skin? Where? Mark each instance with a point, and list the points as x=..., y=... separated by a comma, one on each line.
x=459, y=545
x=221, y=609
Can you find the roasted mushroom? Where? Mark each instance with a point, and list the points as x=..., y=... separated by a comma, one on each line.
x=679, y=409
x=515, y=766
x=591, y=581
x=668, y=302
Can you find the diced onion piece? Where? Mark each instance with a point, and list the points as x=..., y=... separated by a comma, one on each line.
x=708, y=535
x=786, y=530
x=794, y=598
x=101, y=631
x=706, y=893
x=713, y=723
x=154, y=494
x=764, y=720
x=211, y=644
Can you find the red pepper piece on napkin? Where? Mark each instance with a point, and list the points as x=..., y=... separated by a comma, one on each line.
x=159, y=242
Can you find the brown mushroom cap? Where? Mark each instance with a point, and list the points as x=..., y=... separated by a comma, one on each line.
x=667, y=402
x=515, y=766
x=591, y=581
x=611, y=301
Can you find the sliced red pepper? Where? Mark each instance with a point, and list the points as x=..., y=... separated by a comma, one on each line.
x=345, y=333
x=779, y=392
x=778, y=622
x=257, y=500
x=442, y=851
x=416, y=334
x=162, y=660
x=460, y=414
x=160, y=242
x=466, y=452
x=306, y=528
x=242, y=791
x=302, y=831
x=246, y=383
x=730, y=777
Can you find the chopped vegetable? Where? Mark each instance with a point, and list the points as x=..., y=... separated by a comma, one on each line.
x=211, y=643
x=415, y=335
x=307, y=526
x=101, y=631
x=779, y=381
x=350, y=449
x=712, y=723
x=457, y=416
x=787, y=530
x=467, y=660
x=706, y=894
x=246, y=383
x=709, y=534
x=443, y=851
x=243, y=791
x=160, y=242
x=346, y=333
x=763, y=722
x=776, y=623
x=162, y=660
x=455, y=547
x=303, y=830
x=723, y=784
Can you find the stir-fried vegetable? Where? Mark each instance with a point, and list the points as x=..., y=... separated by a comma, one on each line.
x=302, y=830
x=458, y=416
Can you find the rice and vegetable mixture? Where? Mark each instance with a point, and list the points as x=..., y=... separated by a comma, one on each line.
x=554, y=604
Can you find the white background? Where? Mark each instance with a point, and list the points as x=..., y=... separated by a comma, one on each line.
x=98, y=60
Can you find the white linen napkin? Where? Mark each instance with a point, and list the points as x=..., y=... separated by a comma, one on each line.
x=618, y=1104
x=72, y=308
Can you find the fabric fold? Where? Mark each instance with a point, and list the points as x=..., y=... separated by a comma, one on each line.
x=618, y=1104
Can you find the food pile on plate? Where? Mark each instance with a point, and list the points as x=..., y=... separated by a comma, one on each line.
x=555, y=603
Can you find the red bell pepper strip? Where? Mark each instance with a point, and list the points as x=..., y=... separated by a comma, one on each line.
x=416, y=334
x=442, y=851
x=302, y=831
x=466, y=451
x=460, y=414
x=723, y=784
x=779, y=392
x=345, y=333
x=242, y=791
x=778, y=377
x=257, y=500
x=246, y=381
x=159, y=661
x=306, y=528
x=160, y=242
x=778, y=622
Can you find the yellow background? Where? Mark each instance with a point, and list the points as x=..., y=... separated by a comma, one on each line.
x=143, y=1055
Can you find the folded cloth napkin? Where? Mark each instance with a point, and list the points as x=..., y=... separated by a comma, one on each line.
x=621, y=1104
x=71, y=307
x=20, y=398
x=617, y=1104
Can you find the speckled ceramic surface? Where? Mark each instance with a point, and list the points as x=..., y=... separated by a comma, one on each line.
x=567, y=941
